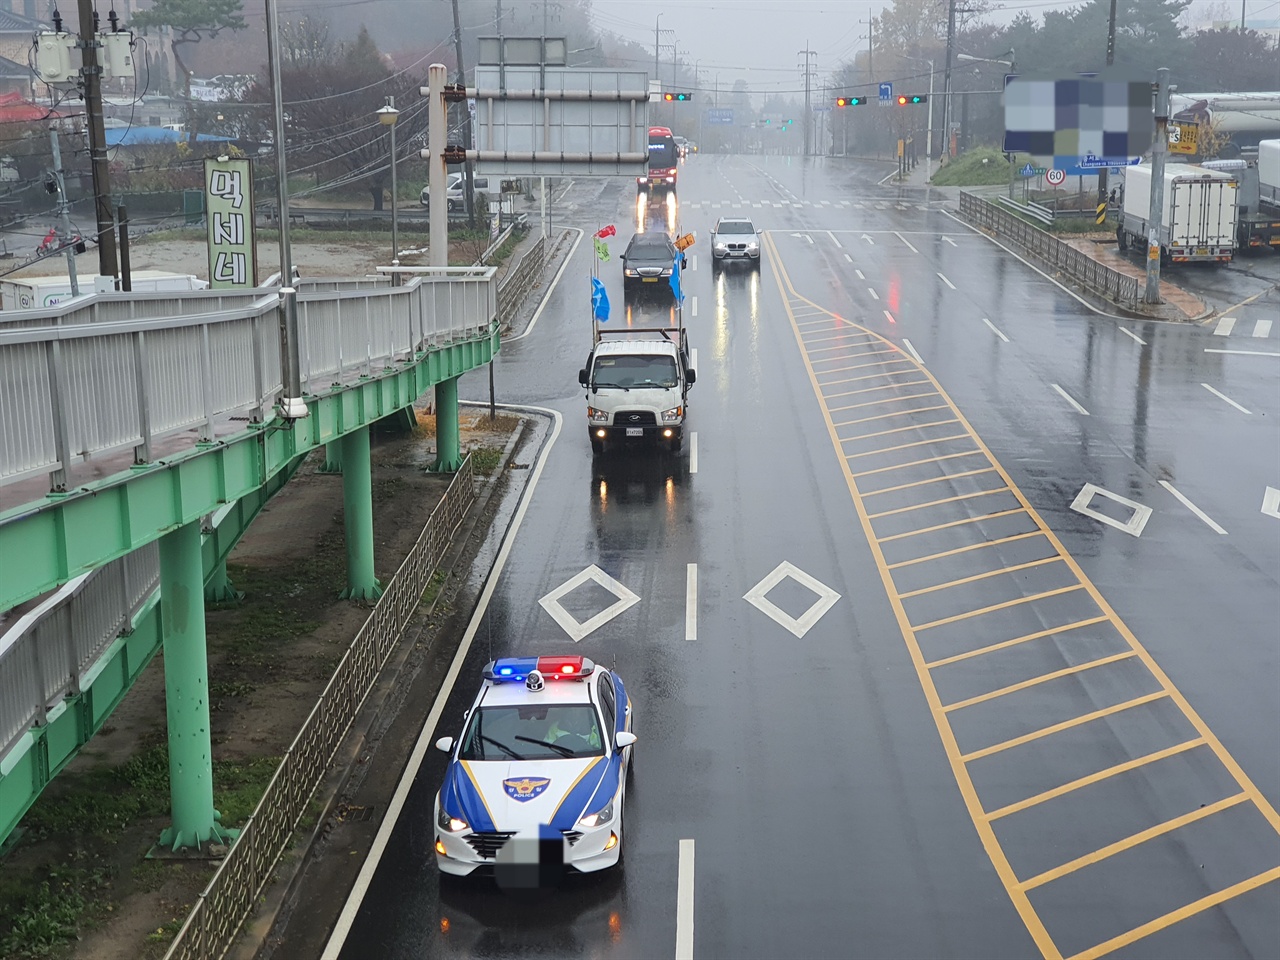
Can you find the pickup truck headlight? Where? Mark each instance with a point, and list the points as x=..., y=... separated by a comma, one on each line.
x=673, y=415
x=603, y=815
x=450, y=823
x=596, y=415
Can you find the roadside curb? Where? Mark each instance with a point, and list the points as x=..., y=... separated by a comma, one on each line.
x=253, y=940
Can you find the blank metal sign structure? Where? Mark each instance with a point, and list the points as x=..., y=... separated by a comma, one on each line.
x=561, y=121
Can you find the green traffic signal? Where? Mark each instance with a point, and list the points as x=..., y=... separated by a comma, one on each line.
x=916, y=98
x=677, y=97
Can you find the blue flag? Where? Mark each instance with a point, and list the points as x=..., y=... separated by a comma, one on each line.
x=599, y=300
x=675, y=277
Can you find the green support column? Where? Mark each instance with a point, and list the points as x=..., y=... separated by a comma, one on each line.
x=186, y=685
x=448, y=452
x=332, y=457
x=357, y=508
x=219, y=589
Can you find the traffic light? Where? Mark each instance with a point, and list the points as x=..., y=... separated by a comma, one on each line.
x=905, y=99
x=850, y=101
x=677, y=97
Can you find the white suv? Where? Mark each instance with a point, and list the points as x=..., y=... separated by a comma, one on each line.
x=734, y=238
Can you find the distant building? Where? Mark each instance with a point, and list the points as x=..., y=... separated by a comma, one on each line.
x=1268, y=28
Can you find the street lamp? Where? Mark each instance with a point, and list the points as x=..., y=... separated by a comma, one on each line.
x=387, y=116
x=928, y=137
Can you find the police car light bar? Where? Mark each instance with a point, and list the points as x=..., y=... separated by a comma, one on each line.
x=516, y=669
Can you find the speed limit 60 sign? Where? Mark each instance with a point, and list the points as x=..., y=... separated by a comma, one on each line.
x=1054, y=177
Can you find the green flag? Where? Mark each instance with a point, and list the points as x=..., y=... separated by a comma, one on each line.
x=602, y=251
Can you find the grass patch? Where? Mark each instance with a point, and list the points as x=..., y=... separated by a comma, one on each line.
x=99, y=804
x=40, y=919
x=981, y=166
x=485, y=460
x=433, y=588
x=239, y=785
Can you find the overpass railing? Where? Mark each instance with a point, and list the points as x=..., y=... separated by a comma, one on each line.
x=70, y=392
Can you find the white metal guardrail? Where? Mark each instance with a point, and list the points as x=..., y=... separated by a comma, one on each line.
x=225, y=904
x=1095, y=276
x=71, y=392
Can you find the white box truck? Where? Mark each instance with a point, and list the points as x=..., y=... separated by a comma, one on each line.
x=35, y=293
x=1269, y=175
x=1199, y=215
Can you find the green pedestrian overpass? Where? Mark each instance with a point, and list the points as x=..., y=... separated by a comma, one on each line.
x=139, y=437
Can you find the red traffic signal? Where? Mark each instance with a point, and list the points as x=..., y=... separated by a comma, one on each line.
x=903, y=99
x=677, y=97
x=850, y=101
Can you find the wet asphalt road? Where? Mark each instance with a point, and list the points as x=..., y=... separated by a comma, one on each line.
x=902, y=780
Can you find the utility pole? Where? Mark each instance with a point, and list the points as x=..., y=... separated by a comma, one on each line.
x=657, y=34
x=946, y=80
x=1155, y=212
x=871, y=27
x=1102, y=171
x=497, y=19
x=106, y=234
x=808, y=77
x=468, y=172
x=66, y=236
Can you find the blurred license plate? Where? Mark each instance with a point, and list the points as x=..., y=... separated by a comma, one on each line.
x=1202, y=251
x=635, y=432
x=649, y=279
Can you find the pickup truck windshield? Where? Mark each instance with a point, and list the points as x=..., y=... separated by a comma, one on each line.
x=637, y=371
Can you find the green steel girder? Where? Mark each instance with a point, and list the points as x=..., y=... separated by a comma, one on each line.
x=63, y=536
x=45, y=751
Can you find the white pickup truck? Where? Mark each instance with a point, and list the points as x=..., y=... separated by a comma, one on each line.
x=637, y=383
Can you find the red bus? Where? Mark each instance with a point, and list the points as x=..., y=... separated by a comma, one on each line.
x=663, y=160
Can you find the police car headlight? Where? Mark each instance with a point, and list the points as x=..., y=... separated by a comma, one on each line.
x=450, y=823
x=596, y=415
x=673, y=415
x=600, y=816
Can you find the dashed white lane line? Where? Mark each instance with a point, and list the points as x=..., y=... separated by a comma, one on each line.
x=1067, y=397
x=691, y=602
x=693, y=451
x=906, y=241
x=872, y=291
x=694, y=306
x=1271, y=502
x=835, y=240
x=1130, y=333
x=1223, y=396
x=1192, y=507
x=849, y=258
x=946, y=281
x=860, y=274
x=693, y=355
x=1247, y=353
x=994, y=330
x=693, y=262
x=950, y=241
x=684, y=902
x=1262, y=328
x=911, y=350
x=1224, y=327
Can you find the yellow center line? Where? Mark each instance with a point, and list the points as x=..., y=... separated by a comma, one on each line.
x=883, y=386
x=1111, y=849
x=1036, y=681
x=887, y=416
x=875, y=403
x=885, y=433
x=1004, y=644
x=1064, y=725
x=908, y=446
x=1190, y=910
x=1098, y=777
x=980, y=576
x=921, y=483
x=936, y=503
x=953, y=523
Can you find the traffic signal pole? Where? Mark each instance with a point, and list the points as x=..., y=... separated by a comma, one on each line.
x=1102, y=171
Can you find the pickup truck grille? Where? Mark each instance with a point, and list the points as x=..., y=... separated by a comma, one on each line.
x=634, y=418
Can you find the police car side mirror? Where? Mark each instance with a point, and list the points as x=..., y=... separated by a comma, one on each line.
x=445, y=744
x=624, y=739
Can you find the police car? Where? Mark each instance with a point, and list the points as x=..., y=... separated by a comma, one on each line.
x=543, y=756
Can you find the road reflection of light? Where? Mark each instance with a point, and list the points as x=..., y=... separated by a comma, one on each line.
x=755, y=297
x=642, y=208
x=615, y=926
x=604, y=494
x=671, y=213
x=444, y=925
x=895, y=290
x=670, y=497
x=720, y=338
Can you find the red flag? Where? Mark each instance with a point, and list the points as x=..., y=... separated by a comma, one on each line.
x=608, y=231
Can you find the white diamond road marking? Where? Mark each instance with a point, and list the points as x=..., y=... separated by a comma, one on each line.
x=577, y=631
x=827, y=598
x=1135, y=524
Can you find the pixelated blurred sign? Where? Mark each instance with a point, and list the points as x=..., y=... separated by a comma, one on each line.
x=1078, y=125
x=720, y=115
x=1183, y=137
x=683, y=243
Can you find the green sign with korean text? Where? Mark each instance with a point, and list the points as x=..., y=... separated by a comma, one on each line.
x=228, y=200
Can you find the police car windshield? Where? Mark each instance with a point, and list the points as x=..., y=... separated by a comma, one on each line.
x=631, y=372
x=535, y=731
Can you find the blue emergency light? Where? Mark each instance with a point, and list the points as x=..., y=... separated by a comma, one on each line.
x=516, y=669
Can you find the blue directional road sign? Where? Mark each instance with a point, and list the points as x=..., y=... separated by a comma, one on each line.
x=721, y=115
x=886, y=92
